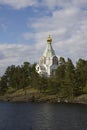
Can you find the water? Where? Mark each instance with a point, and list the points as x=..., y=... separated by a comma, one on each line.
x=42, y=116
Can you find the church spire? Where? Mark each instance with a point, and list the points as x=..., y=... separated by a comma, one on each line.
x=49, y=52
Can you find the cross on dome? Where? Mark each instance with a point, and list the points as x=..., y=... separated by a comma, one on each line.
x=49, y=39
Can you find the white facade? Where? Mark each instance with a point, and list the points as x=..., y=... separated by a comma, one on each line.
x=48, y=62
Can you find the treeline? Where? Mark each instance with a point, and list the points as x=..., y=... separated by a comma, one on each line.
x=69, y=81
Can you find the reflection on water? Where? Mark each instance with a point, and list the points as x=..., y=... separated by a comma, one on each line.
x=42, y=116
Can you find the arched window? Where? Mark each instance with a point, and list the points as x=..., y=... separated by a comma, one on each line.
x=43, y=60
x=55, y=60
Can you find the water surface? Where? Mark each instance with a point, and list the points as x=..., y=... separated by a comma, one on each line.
x=42, y=116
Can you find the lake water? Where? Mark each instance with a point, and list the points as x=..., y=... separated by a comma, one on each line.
x=42, y=116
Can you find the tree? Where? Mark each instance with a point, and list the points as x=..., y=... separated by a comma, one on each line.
x=70, y=77
x=3, y=84
x=60, y=72
x=81, y=75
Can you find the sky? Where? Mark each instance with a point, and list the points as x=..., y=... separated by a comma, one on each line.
x=26, y=24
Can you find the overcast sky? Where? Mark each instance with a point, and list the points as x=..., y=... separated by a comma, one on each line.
x=26, y=24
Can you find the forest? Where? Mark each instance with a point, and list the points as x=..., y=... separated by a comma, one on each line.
x=70, y=80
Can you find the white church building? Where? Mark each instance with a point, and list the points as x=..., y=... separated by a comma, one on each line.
x=48, y=62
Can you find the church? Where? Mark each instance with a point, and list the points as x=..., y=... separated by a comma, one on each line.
x=48, y=62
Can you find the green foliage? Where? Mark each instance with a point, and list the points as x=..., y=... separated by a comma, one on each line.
x=3, y=84
x=68, y=82
x=81, y=76
x=60, y=72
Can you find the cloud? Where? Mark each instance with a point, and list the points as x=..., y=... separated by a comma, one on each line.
x=80, y=3
x=2, y=56
x=68, y=27
x=18, y=4
x=50, y=4
x=16, y=54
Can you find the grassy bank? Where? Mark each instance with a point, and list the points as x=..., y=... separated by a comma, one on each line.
x=30, y=94
x=34, y=95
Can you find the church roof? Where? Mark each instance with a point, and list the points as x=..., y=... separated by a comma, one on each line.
x=49, y=52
